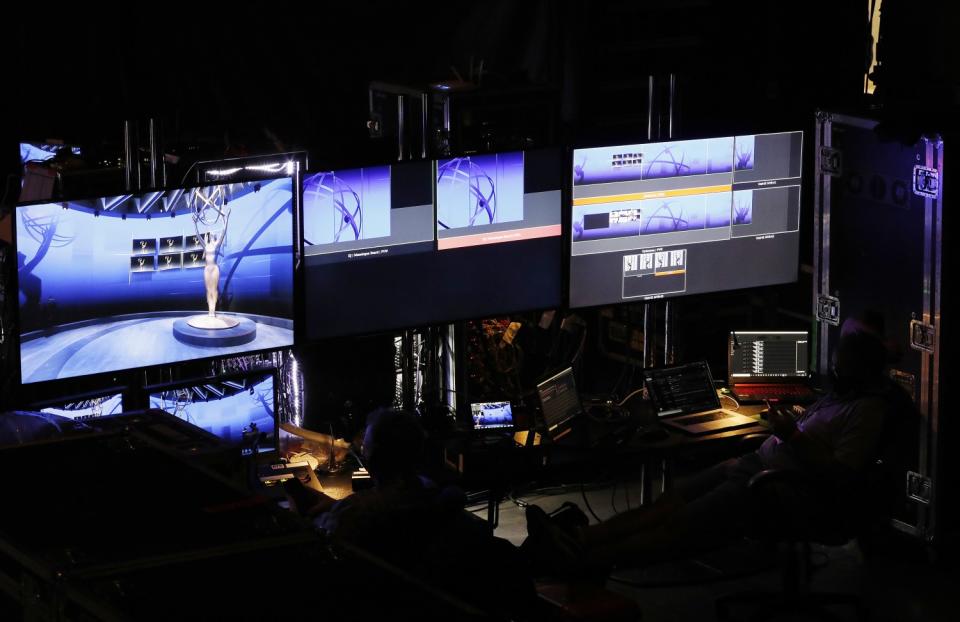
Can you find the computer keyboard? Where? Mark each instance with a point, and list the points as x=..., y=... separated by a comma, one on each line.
x=776, y=392
x=705, y=418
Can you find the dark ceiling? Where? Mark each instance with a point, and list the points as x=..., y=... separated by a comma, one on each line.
x=296, y=75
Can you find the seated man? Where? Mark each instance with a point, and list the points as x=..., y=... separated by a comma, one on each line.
x=409, y=522
x=831, y=444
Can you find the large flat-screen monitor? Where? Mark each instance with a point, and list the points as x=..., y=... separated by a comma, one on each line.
x=666, y=219
x=420, y=243
x=133, y=281
x=234, y=408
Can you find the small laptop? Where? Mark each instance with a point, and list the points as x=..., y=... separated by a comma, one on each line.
x=559, y=403
x=769, y=366
x=492, y=417
x=684, y=398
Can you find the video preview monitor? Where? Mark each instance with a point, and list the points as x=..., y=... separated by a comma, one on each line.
x=156, y=278
x=420, y=243
x=85, y=407
x=666, y=219
x=41, y=152
x=226, y=407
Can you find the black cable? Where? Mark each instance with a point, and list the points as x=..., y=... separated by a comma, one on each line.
x=613, y=498
x=586, y=502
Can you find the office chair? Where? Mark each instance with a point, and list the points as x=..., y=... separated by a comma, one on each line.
x=800, y=511
x=795, y=519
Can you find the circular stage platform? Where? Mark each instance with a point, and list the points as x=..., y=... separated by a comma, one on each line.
x=216, y=322
x=242, y=331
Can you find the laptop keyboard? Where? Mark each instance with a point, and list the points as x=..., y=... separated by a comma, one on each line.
x=704, y=418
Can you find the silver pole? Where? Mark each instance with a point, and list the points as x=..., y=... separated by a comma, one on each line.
x=152, y=129
x=127, y=157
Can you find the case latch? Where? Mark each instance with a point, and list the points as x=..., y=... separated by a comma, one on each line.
x=926, y=181
x=831, y=162
x=919, y=487
x=828, y=309
x=922, y=336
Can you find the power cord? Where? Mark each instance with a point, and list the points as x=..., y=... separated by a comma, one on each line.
x=586, y=502
x=736, y=404
x=627, y=399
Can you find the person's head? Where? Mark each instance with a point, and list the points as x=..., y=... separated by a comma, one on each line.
x=860, y=356
x=393, y=444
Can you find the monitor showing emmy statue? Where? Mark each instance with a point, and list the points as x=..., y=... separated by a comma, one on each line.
x=137, y=280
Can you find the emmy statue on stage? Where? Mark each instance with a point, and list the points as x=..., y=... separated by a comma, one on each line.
x=211, y=216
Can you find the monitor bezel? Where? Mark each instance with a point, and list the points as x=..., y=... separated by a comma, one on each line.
x=562, y=154
x=295, y=239
x=568, y=219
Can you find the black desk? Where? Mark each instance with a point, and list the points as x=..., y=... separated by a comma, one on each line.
x=589, y=446
x=626, y=447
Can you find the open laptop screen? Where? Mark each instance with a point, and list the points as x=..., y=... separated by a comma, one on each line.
x=559, y=399
x=768, y=356
x=681, y=389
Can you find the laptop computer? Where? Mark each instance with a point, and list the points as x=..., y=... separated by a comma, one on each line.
x=492, y=417
x=769, y=366
x=559, y=402
x=684, y=398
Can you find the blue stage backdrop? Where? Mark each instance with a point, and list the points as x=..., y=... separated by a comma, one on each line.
x=101, y=283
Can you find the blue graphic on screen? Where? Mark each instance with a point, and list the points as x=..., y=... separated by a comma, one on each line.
x=649, y=216
x=717, y=209
x=491, y=415
x=743, y=207
x=88, y=305
x=652, y=161
x=743, y=153
x=346, y=205
x=473, y=191
x=225, y=408
x=674, y=214
x=41, y=152
x=88, y=408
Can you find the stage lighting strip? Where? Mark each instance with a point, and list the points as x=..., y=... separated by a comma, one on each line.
x=659, y=194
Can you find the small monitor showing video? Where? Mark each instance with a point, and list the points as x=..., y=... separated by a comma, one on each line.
x=491, y=415
x=239, y=410
x=84, y=407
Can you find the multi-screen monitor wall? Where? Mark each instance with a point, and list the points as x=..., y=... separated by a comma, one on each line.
x=421, y=243
x=684, y=217
x=116, y=283
x=226, y=407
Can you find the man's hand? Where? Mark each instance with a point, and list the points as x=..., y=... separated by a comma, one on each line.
x=782, y=423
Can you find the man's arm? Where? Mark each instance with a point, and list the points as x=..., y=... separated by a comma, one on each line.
x=852, y=450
